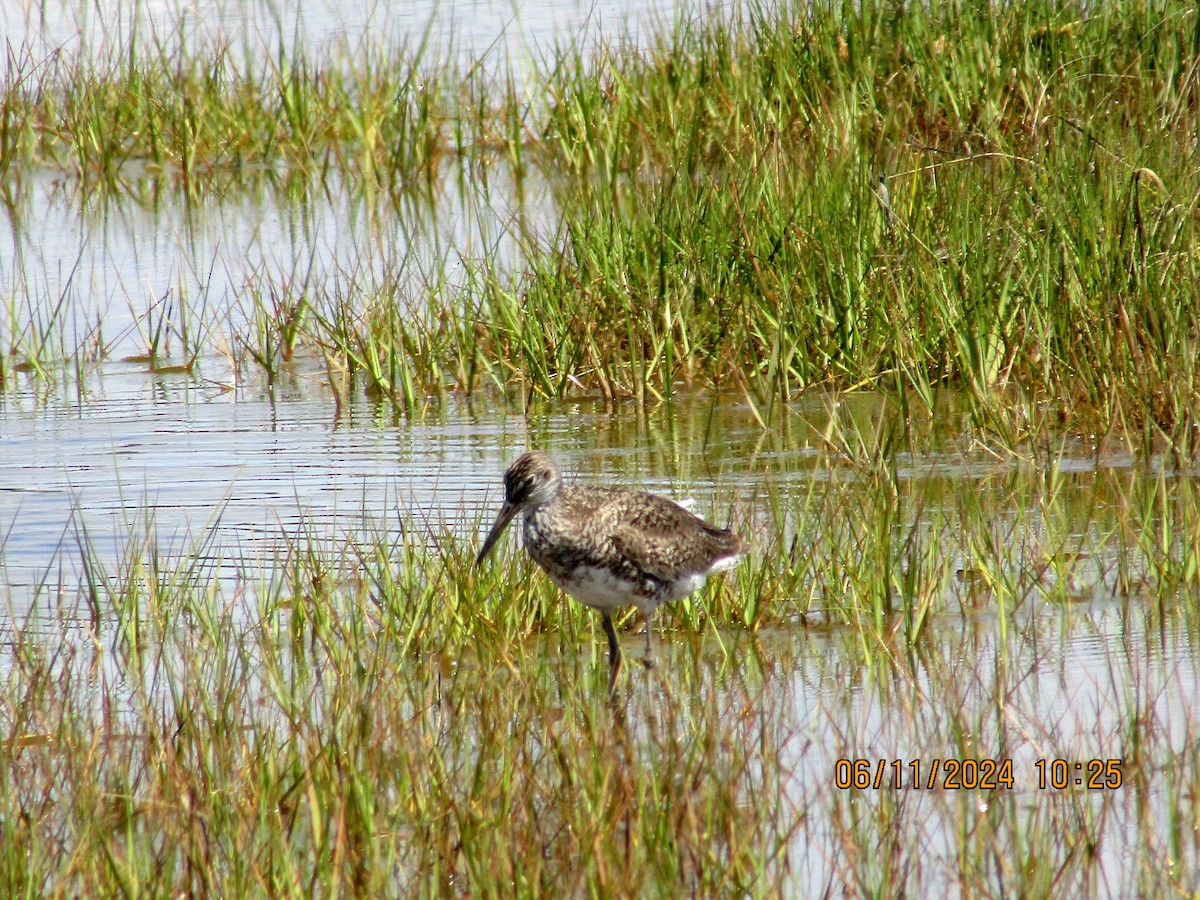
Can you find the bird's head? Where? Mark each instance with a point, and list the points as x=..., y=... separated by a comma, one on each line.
x=532, y=480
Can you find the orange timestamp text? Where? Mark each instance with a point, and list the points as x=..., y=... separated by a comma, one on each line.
x=973, y=774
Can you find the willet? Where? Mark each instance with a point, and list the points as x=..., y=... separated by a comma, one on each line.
x=610, y=547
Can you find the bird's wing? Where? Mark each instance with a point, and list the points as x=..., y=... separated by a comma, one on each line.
x=664, y=540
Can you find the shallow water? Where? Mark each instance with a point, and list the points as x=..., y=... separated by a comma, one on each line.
x=115, y=276
x=173, y=467
x=242, y=474
x=217, y=460
x=474, y=29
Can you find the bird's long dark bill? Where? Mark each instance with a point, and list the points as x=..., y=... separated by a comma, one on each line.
x=506, y=513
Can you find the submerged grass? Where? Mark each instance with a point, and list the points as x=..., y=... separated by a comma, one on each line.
x=380, y=717
x=203, y=122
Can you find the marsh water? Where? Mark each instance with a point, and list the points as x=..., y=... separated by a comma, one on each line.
x=220, y=461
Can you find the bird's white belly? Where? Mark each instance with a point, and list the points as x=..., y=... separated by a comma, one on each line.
x=598, y=587
x=686, y=584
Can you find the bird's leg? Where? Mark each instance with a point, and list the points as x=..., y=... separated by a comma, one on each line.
x=648, y=659
x=614, y=653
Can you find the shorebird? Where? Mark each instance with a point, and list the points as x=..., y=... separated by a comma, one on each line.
x=610, y=547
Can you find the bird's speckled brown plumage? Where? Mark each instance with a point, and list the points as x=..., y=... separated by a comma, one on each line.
x=610, y=547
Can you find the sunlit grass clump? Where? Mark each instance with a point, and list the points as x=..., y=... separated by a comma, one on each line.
x=921, y=196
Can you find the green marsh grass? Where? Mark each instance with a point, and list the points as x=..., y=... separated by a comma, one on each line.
x=720, y=200
x=377, y=716
x=722, y=221
x=209, y=122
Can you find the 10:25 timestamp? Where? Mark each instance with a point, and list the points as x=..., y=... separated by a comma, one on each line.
x=1094, y=774
x=974, y=774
